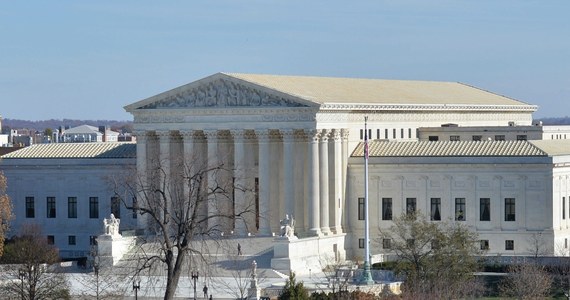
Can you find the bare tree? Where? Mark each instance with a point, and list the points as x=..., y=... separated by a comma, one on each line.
x=537, y=245
x=337, y=272
x=183, y=206
x=5, y=211
x=33, y=263
x=526, y=281
x=102, y=283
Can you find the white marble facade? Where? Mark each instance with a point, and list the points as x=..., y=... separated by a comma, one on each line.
x=294, y=144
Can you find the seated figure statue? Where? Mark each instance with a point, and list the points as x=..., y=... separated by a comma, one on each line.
x=111, y=225
x=287, y=227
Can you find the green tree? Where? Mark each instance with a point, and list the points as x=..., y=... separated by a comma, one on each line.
x=437, y=259
x=293, y=289
x=48, y=132
x=5, y=211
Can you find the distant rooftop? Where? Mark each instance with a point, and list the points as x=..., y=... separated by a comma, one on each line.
x=75, y=150
x=462, y=148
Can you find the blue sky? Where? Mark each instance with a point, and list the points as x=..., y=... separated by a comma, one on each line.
x=88, y=59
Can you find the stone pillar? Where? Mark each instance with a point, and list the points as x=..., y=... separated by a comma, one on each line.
x=324, y=181
x=264, y=182
x=188, y=164
x=337, y=195
x=142, y=172
x=344, y=145
x=164, y=155
x=313, y=182
x=288, y=163
x=240, y=184
x=212, y=158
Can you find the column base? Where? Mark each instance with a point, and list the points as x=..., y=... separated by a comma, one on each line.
x=314, y=232
x=326, y=231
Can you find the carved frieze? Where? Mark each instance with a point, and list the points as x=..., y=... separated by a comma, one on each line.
x=222, y=93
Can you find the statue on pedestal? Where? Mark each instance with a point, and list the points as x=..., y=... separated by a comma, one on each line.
x=287, y=227
x=111, y=225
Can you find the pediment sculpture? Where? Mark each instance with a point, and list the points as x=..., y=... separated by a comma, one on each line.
x=222, y=93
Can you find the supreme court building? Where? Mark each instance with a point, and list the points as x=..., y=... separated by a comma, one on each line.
x=292, y=137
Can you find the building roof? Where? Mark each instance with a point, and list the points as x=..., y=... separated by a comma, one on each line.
x=376, y=91
x=340, y=93
x=380, y=148
x=75, y=150
x=82, y=129
x=553, y=147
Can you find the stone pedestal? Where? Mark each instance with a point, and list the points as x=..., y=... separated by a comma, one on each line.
x=111, y=248
x=307, y=255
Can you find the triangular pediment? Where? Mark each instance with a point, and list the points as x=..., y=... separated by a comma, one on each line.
x=219, y=91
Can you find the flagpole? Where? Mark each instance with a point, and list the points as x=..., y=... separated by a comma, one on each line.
x=366, y=274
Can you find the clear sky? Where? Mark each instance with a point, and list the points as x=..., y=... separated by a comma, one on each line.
x=88, y=59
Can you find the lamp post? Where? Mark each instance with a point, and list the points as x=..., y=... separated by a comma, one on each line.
x=136, y=287
x=366, y=278
x=194, y=278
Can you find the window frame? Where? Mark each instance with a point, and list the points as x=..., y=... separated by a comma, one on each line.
x=482, y=205
x=509, y=245
x=51, y=207
x=72, y=207
x=460, y=209
x=387, y=211
x=435, y=203
x=411, y=205
x=93, y=207
x=71, y=240
x=30, y=207
x=361, y=208
x=510, y=210
x=484, y=244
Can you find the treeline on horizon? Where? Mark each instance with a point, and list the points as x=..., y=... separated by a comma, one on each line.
x=126, y=126
x=54, y=124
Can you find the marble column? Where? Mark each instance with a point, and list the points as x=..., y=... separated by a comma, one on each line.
x=264, y=163
x=142, y=172
x=324, y=181
x=337, y=177
x=288, y=179
x=188, y=165
x=313, y=182
x=240, y=184
x=212, y=158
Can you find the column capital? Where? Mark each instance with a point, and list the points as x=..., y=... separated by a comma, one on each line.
x=344, y=133
x=187, y=134
x=163, y=134
x=313, y=135
x=263, y=135
x=238, y=134
x=140, y=133
x=336, y=134
x=324, y=135
x=288, y=135
x=211, y=135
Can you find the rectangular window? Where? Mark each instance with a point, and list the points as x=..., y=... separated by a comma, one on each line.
x=566, y=243
x=361, y=208
x=499, y=137
x=30, y=207
x=92, y=240
x=433, y=138
x=509, y=245
x=361, y=243
x=378, y=133
x=72, y=207
x=116, y=207
x=454, y=138
x=410, y=205
x=50, y=239
x=476, y=138
x=394, y=133
x=50, y=207
x=71, y=240
x=459, y=209
x=484, y=209
x=510, y=209
x=402, y=133
x=361, y=134
x=386, y=133
x=93, y=207
x=386, y=244
x=521, y=137
x=386, y=208
x=435, y=209
x=409, y=133
x=484, y=244
x=563, y=208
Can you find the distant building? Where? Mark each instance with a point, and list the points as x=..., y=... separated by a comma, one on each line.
x=453, y=132
x=85, y=134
